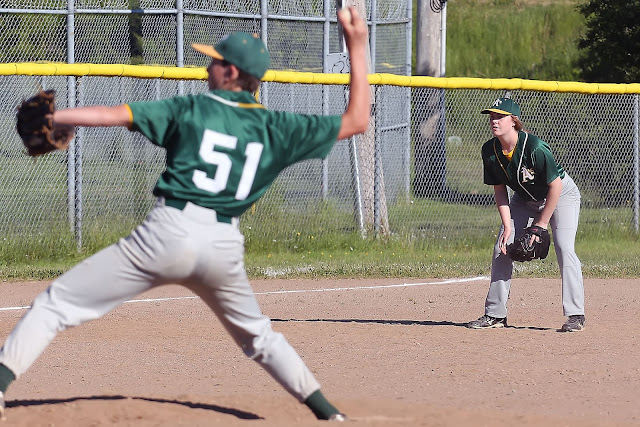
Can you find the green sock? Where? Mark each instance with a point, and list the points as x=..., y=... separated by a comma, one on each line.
x=6, y=378
x=320, y=406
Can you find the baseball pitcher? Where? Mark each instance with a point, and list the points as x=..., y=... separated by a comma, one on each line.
x=223, y=151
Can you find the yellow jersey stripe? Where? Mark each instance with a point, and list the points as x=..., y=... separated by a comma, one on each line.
x=232, y=103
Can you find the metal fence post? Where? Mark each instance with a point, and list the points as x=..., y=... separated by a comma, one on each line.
x=326, y=28
x=355, y=168
x=407, y=145
x=636, y=164
x=264, y=11
x=74, y=153
x=180, y=41
x=377, y=164
x=78, y=176
x=373, y=33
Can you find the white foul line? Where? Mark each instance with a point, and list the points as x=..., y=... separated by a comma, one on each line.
x=354, y=288
x=295, y=291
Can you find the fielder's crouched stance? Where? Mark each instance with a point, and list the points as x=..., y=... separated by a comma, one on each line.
x=223, y=151
x=543, y=194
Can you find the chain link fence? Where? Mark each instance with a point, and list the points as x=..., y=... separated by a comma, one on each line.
x=416, y=174
x=299, y=34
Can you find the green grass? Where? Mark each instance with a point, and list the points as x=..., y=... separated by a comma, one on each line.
x=512, y=39
x=604, y=253
x=371, y=258
x=607, y=246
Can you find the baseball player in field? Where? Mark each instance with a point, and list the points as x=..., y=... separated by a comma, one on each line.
x=223, y=150
x=543, y=194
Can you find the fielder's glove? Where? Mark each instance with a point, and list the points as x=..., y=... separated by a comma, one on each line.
x=36, y=128
x=523, y=250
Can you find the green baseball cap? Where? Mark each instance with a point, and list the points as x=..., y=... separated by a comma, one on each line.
x=503, y=106
x=245, y=51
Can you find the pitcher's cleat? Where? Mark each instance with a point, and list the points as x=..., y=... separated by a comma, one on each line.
x=487, y=322
x=2, y=417
x=574, y=323
x=338, y=418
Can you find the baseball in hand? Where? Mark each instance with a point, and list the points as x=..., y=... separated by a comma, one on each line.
x=346, y=12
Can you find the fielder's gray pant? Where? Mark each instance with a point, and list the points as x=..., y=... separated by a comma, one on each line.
x=564, y=225
x=187, y=247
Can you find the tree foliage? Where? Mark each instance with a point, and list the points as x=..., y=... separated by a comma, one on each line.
x=609, y=49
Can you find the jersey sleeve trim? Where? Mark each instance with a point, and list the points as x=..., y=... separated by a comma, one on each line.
x=130, y=116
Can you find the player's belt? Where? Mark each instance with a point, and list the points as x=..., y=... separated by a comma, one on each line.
x=180, y=204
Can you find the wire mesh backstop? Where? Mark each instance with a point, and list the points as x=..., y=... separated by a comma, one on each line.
x=415, y=174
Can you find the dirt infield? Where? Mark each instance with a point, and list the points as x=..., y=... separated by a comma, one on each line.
x=386, y=355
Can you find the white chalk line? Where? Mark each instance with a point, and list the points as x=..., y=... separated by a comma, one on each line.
x=300, y=291
x=354, y=288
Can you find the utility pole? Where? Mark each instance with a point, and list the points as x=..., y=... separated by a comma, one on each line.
x=429, y=38
x=429, y=134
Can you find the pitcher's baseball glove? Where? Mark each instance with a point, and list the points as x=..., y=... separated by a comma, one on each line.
x=523, y=250
x=36, y=128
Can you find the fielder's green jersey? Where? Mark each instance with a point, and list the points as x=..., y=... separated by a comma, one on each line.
x=529, y=172
x=224, y=149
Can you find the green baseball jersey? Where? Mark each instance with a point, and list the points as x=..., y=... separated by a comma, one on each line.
x=224, y=149
x=529, y=172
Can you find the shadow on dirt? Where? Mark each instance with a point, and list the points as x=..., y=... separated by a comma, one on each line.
x=407, y=322
x=221, y=409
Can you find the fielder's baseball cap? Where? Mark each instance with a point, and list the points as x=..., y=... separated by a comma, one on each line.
x=245, y=51
x=503, y=106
